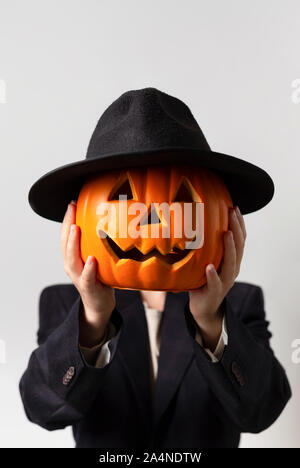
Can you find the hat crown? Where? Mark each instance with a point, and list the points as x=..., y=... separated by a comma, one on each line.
x=141, y=128
x=145, y=120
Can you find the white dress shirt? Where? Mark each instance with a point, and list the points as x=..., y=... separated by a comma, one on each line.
x=100, y=354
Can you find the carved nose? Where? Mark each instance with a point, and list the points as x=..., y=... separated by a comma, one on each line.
x=150, y=218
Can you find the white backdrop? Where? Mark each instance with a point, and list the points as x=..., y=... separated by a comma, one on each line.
x=62, y=63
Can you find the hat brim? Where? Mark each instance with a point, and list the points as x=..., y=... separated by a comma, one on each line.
x=251, y=188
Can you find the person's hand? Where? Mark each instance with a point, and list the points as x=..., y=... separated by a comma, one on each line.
x=205, y=302
x=98, y=299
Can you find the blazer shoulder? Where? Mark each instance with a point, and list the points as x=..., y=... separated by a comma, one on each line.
x=244, y=287
x=64, y=292
x=55, y=302
x=240, y=292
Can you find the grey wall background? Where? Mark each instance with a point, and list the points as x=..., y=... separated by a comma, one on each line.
x=63, y=62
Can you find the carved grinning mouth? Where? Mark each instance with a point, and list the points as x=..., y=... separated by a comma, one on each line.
x=135, y=254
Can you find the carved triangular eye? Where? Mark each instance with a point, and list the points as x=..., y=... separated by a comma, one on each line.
x=183, y=193
x=150, y=218
x=123, y=189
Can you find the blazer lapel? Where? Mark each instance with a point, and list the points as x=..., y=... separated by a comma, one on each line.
x=134, y=348
x=176, y=352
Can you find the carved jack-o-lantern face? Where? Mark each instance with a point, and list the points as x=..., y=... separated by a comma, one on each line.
x=147, y=261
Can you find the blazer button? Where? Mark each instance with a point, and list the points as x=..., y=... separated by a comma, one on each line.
x=65, y=381
x=68, y=375
x=71, y=371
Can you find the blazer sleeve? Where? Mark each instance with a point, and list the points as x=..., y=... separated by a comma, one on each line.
x=59, y=387
x=249, y=383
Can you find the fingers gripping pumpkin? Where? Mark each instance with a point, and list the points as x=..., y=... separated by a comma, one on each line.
x=145, y=261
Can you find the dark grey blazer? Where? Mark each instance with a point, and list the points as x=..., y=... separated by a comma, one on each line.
x=197, y=403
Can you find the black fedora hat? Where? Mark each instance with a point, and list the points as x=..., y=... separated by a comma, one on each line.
x=141, y=128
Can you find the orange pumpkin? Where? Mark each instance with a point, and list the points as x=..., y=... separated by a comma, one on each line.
x=144, y=262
